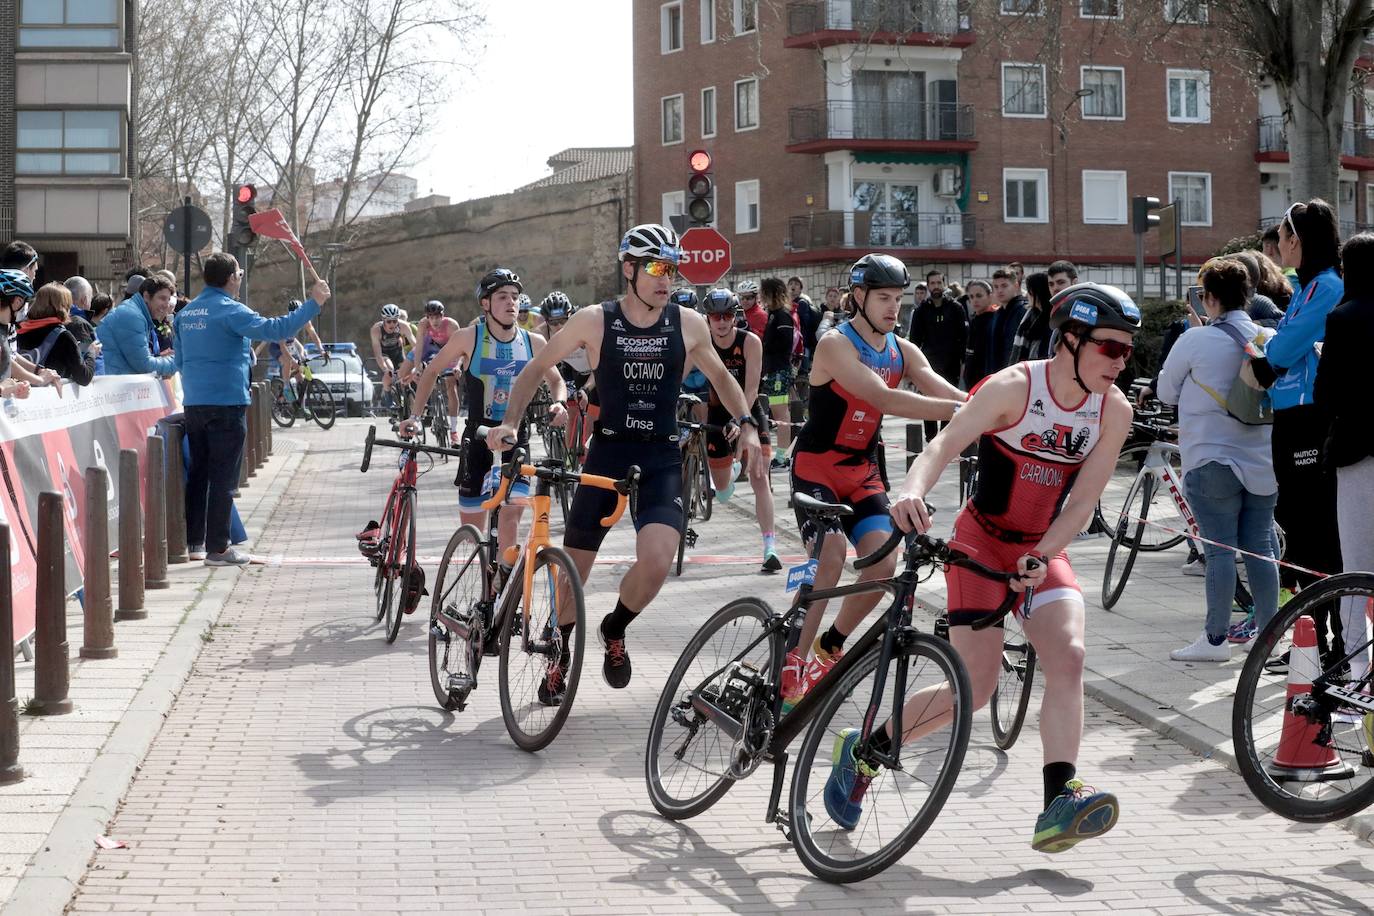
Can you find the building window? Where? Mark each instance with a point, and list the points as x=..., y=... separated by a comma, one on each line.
x=672, y=119
x=1190, y=96
x=1104, y=197
x=69, y=143
x=746, y=16
x=670, y=22
x=1023, y=90
x=1187, y=12
x=1099, y=9
x=1021, y=7
x=1193, y=191
x=1025, y=197
x=708, y=21
x=1369, y=204
x=746, y=206
x=708, y=111
x=746, y=104
x=674, y=204
x=1107, y=86
x=69, y=24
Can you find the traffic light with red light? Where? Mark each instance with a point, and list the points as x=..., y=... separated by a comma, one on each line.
x=700, y=189
x=241, y=234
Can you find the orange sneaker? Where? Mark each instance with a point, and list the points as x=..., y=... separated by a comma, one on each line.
x=820, y=665
x=792, y=669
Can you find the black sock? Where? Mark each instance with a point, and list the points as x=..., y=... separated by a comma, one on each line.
x=1057, y=775
x=880, y=742
x=614, y=624
x=566, y=630
x=832, y=639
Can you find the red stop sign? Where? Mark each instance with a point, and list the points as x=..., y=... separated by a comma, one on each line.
x=705, y=256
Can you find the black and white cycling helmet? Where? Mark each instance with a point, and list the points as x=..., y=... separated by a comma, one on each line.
x=719, y=301
x=747, y=288
x=495, y=279
x=390, y=312
x=523, y=303
x=556, y=306
x=879, y=271
x=650, y=242
x=1095, y=305
x=434, y=307
x=684, y=298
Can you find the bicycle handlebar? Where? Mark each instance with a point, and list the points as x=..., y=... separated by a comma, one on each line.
x=516, y=467
x=404, y=446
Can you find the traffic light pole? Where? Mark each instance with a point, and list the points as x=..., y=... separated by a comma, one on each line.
x=1139, y=266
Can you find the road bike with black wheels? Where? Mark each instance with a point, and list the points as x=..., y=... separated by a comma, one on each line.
x=1303, y=717
x=389, y=545
x=303, y=395
x=720, y=715
x=1016, y=677
x=697, y=492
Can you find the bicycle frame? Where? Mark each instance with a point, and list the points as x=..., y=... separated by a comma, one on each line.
x=1158, y=465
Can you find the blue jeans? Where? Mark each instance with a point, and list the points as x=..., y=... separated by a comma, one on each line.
x=216, y=435
x=1229, y=514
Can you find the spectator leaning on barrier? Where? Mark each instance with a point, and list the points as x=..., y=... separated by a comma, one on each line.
x=16, y=289
x=80, y=322
x=1309, y=243
x=101, y=303
x=1228, y=468
x=128, y=333
x=212, y=351
x=1341, y=391
x=44, y=335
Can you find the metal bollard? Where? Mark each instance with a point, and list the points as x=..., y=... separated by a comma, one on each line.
x=265, y=424
x=248, y=465
x=155, y=517
x=130, y=540
x=10, y=770
x=176, y=497
x=915, y=441
x=97, y=632
x=51, y=674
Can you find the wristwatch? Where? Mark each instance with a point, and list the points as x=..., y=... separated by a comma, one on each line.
x=747, y=418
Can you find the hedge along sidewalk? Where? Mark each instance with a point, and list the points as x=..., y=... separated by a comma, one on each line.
x=78, y=766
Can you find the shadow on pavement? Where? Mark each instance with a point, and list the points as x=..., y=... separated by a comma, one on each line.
x=1248, y=892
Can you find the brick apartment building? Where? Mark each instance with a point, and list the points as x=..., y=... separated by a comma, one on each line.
x=910, y=126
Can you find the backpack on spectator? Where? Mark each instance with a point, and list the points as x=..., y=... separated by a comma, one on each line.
x=1248, y=400
x=39, y=355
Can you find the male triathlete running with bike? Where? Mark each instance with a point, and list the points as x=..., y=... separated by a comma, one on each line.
x=638, y=346
x=388, y=337
x=1048, y=434
x=742, y=354
x=490, y=356
x=435, y=331
x=854, y=382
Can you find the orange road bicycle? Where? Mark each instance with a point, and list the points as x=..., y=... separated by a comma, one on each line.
x=476, y=598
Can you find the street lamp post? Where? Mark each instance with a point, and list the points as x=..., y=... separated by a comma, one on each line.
x=334, y=249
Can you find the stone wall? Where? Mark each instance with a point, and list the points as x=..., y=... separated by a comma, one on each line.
x=560, y=237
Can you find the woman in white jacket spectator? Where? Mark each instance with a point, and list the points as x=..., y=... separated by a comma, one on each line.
x=1228, y=467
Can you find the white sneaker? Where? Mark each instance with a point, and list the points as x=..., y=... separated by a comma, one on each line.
x=230, y=557
x=196, y=551
x=1194, y=566
x=1201, y=650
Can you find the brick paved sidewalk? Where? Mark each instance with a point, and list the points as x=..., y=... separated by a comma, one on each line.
x=305, y=768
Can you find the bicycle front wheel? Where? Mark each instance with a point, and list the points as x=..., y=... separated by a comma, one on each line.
x=1162, y=506
x=688, y=763
x=704, y=499
x=541, y=659
x=381, y=583
x=401, y=559
x=1133, y=516
x=460, y=588
x=1303, y=751
x=321, y=403
x=1011, y=697
x=283, y=404
x=833, y=840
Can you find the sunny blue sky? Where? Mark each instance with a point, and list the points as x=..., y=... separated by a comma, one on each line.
x=553, y=74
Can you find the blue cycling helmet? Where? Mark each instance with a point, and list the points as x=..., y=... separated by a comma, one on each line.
x=15, y=283
x=684, y=298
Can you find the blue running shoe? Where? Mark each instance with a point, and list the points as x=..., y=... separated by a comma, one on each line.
x=849, y=779
x=1078, y=813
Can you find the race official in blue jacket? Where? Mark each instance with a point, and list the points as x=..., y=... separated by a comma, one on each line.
x=211, y=344
x=127, y=337
x=1309, y=242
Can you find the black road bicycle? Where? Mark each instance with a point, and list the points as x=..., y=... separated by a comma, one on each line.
x=720, y=714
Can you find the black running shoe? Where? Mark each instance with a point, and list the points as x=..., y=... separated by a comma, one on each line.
x=771, y=563
x=552, y=687
x=616, y=667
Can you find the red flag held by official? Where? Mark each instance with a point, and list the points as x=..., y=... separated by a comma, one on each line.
x=272, y=224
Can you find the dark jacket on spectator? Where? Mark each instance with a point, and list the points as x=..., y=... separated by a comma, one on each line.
x=84, y=332
x=808, y=319
x=1342, y=385
x=777, y=341
x=65, y=356
x=1263, y=311
x=1004, y=331
x=939, y=327
x=979, y=358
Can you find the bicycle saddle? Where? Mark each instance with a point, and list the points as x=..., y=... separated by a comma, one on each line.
x=817, y=507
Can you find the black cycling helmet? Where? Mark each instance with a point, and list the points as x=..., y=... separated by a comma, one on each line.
x=684, y=298
x=1095, y=305
x=435, y=306
x=879, y=271
x=719, y=301
x=556, y=306
x=496, y=279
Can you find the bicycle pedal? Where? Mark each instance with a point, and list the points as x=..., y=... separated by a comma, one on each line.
x=691, y=538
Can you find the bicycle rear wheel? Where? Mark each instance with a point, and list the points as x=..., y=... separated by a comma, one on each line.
x=401, y=558
x=1302, y=751
x=691, y=502
x=704, y=499
x=898, y=805
x=321, y=402
x=1134, y=515
x=1011, y=697
x=460, y=588
x=688, y=763
x=283, y=404
x=1163, y=509
x=381, y=582
x=541, y=664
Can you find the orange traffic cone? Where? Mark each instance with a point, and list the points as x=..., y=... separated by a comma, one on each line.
x=1300, y=758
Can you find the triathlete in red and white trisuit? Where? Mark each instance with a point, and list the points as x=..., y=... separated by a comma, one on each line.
x=1048, y=435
